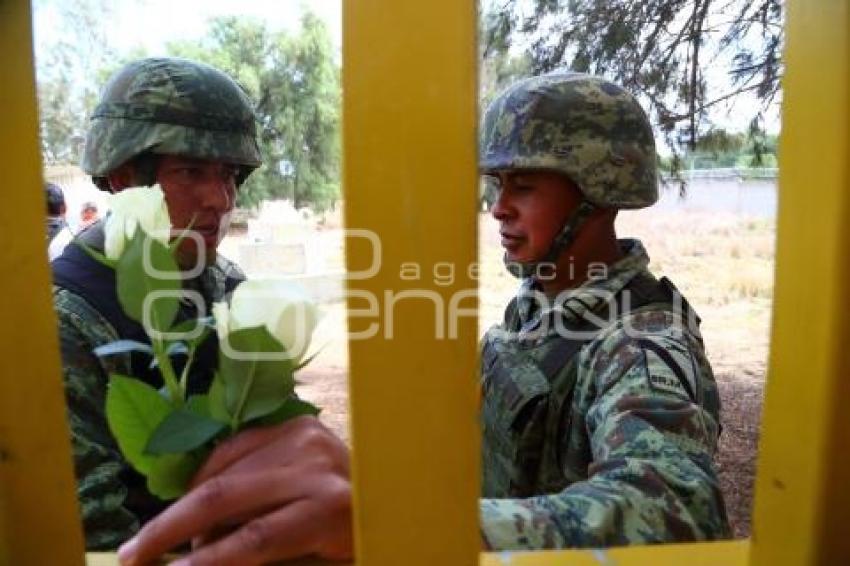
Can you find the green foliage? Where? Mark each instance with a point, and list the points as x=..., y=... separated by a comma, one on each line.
x=170, y=474
x=183, y=430
x=721, y=149
x=294, y=81
x=216, y=404
x=498, y=67
x=67, y=75
x=136, y=282
x=134, y=410
x=293, y=78
x=666, y=51
x=293, y=407
x=255, y=374
x=163, y=435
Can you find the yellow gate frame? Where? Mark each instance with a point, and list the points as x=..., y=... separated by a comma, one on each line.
x=410, y=175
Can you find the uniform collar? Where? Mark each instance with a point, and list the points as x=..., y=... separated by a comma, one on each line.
x=574, y=304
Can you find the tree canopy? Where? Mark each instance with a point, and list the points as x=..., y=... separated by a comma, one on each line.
x=668, y=52
x=68, y=74
x=294, y=83
x=683, y=58
x=293, y=79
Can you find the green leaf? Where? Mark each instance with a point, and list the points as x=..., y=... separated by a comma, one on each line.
x=134, y=410
x=182, y=431
x=215, y=401
x=199, y=404
x=135, y=283
x=257, y=378
x=190, y=326
x=309, y=359
x=291, y=408
x=170, y=474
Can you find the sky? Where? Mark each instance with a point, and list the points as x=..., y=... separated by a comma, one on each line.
x=152, y=23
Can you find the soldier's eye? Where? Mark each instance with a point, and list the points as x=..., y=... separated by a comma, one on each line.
x=492, y=183
x=187, y=173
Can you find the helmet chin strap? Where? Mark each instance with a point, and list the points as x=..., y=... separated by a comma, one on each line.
x=564, y=239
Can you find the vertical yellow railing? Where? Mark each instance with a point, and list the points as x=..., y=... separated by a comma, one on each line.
x=802, y=508
x=409, y=112
x=38, y=510
x=409, y=177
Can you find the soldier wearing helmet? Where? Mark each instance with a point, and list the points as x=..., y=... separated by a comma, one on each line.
x=189, y=128
x=600, y=411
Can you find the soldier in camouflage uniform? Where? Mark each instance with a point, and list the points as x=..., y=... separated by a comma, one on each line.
x=190, y=128
x=600, y=411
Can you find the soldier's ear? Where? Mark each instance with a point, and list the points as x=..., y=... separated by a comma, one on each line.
x=121, y=177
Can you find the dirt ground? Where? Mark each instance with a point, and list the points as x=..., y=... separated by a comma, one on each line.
x=723, y=263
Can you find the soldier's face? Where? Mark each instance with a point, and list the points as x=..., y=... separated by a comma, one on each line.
x=201, y=193
x=531, y=208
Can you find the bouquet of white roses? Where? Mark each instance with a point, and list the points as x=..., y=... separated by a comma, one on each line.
x=263, y=334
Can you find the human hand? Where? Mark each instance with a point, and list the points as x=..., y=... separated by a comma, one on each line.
x=280, y=492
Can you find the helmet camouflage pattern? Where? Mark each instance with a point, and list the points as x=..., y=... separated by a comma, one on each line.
x=586, y=127
x=170, y=106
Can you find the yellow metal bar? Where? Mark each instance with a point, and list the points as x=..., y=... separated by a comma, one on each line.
x=731, y=553
x=409, y=123
x=802, y=508
x=410, y=176
x=38, y=509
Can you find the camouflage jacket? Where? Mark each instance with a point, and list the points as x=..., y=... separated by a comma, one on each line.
x=106, y=486
x=602, y=437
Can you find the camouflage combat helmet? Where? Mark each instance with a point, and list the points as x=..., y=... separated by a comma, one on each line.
x=173, y=106
x=585, y=127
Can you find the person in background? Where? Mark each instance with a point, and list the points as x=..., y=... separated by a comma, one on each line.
x=88, y=214
x=58, y=231
x=55, y=210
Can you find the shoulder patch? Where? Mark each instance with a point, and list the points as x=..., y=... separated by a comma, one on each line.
x=669, y=372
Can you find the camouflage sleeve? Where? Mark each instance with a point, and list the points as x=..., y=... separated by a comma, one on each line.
x=97, y=460
x=646, y=408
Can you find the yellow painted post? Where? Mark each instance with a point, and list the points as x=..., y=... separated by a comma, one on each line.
x=409, y=114
x=802, y=508
x=410, y=177
x=38, y=510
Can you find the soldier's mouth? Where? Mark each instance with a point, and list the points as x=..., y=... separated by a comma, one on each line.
x=511, y=241
x=208, y=233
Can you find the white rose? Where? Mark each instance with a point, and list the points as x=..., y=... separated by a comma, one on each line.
x=284, y=308
x=139, y=206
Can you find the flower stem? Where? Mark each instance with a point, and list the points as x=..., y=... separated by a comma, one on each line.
x=184, y=377
x=237, y=414
x=175, y=391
